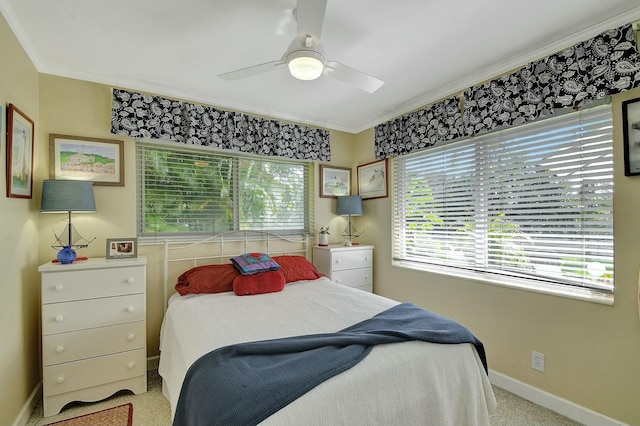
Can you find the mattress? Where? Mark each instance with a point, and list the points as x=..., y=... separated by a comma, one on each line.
x=401, y=383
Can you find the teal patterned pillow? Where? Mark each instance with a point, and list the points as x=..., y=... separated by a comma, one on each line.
x=253, y=263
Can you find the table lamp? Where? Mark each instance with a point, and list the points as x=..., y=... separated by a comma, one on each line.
x=68, y=196
x=350, y=205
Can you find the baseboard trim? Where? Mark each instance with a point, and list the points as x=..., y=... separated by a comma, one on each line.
x=29, y=406
x=153, y=362
x=559, y=405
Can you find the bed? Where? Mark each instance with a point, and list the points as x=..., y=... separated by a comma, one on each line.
x=412, y=382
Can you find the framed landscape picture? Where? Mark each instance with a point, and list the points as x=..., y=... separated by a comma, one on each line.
x=100, y=161
x=631, y=132
x=20, y=131
x=334, y=181
x=373, y=180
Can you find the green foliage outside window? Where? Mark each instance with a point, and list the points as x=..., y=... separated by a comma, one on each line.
x=202, y=192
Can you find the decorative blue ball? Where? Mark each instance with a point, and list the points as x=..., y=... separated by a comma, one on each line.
x=67, y=255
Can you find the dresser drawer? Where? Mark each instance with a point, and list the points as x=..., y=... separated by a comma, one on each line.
x=92, y=283
x=353, y=277
x=368, y=288
x=67, y=377
x=351, y=259
x=85, y=314
x=75, y=345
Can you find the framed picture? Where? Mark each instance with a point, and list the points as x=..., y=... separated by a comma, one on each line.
x=373, y=180
x=122, y=248
x=100, y=161
x=334, y=181
x=631, y=129
x=20, y=131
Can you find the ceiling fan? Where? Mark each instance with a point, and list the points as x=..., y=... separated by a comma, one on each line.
x=305, y=56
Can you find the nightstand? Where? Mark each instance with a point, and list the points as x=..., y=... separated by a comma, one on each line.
x=350, y=266
x=93, y=330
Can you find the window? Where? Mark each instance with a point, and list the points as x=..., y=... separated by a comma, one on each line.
x=532, y=202
x=201, y=192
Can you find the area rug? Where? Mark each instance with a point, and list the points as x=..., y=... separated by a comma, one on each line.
x=122, y=415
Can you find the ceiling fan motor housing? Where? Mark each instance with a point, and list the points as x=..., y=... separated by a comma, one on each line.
x=305, y=58
x=305, y=64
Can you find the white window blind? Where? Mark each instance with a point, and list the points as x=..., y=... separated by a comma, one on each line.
x=195, y=191
x=534, y=202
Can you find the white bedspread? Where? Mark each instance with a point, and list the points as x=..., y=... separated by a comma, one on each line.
x=403, y=383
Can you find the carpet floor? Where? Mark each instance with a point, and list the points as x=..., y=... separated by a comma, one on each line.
x=152, y=409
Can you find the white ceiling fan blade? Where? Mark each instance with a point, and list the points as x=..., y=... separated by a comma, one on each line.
x=310, y=17
x=352, y=76
x=253, y=70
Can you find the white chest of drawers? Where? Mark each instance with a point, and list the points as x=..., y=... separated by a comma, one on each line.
x=350, y=266
x=93, y=330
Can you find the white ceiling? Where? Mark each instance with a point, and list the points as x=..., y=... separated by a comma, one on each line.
x=423, y=49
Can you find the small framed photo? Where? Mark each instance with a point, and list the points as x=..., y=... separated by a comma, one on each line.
x=100, y=161
x=122, y=248
x=631, y=131
x=20, y=131
x=373, y=180
x=334, y=181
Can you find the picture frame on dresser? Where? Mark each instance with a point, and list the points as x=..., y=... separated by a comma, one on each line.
x=20, y=133
x=122, y=248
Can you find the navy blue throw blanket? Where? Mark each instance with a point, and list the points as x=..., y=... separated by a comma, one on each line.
x=244, y=384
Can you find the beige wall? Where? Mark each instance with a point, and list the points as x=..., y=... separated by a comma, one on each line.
x=591, y=350
x=19, y=300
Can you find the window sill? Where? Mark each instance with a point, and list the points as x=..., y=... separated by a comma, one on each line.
x=534, y=286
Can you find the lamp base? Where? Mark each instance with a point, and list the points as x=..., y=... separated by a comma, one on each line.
x=66, y=255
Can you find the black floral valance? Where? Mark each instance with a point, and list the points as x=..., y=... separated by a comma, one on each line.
x=420, y=129
x=574, y=77
x=154, y=117
x=510, y=100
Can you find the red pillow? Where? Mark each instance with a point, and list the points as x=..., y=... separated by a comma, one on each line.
x=295, y=268
x=207, y=279
x=264, y=282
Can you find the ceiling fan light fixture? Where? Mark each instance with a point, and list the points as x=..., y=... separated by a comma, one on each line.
x=306, y=64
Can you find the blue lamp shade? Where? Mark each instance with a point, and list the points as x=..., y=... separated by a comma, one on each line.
x=350, y=205
x=67, y=196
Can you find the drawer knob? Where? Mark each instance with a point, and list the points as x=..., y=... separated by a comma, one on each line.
x=366, y=258
x=338, y=280
x=60, y=349
x=60, y=379
x=59, y=318
x=58, y=287
x=131, y=280
x=131, y=337
x=130, y=309
x=338, y=260
x=131, y=364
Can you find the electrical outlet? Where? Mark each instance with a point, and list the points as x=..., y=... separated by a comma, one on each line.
x=537, y=361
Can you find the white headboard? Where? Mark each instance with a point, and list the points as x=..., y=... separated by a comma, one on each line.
x=221, y=247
